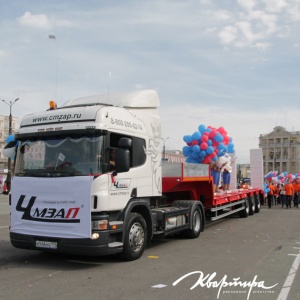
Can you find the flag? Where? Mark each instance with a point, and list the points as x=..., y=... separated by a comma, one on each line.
x=51, y=36
x=61, y=157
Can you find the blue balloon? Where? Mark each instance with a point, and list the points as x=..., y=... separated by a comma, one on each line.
x=10, y=138
x=188, y=138
x=191, y=160
x=209, y=149
x=186, y=151
x=196, y=149
x=209, y=142
x=202, y=128
x=196, y=135
x=218, y=137
x=195, y=155
x=221, y=147
x=230, y=145
x=202, y=153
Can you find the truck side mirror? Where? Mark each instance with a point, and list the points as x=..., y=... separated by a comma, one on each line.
x=123, y=155
x=122, y=160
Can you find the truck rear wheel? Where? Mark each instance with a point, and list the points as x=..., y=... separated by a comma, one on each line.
x=196, y=221
x=257, y=203
x=135, y=237
x=251, y=205
x=245, y=212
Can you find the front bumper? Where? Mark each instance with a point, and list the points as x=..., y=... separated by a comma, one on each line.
x=104, y=245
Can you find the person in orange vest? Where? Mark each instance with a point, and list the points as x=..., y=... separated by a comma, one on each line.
x=271, y=193
x=277, y=194
x=296, y=185
x=289, y=193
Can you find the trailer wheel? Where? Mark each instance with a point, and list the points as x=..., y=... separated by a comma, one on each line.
x=245, y=212
x=135, y=237
x=257, y=203
x=196, y=221
x=251, y=205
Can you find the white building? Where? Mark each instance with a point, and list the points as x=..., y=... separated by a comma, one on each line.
x=281, y=150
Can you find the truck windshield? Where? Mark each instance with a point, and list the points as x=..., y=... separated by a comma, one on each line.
x=60, y=157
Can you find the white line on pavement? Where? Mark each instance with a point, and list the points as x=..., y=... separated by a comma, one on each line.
x=289, y=280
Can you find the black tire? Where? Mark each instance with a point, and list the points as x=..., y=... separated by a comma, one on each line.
x=196, y=222
x=245, y=212
x=257, y=203
x=135, y=237
x=251, y=205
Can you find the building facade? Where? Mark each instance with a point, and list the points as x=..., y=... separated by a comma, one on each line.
x=4, y=133
x=281, y=150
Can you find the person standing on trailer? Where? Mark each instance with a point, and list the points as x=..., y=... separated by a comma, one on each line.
x=226, y=172
x=216, y=173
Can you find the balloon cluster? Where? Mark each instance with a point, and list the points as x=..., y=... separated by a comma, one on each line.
x=280, y=178
x=207, y=144
x=9, y=151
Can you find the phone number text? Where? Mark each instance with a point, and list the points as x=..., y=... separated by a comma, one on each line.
x=126, y=124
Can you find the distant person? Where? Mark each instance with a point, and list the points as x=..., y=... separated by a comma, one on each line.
x=282, y=195
x=289, y=193
x=8, y=182
x=245, y=185
x=296, y=185
x=271, y=193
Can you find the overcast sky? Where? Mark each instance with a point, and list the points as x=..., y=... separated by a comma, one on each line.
x=229, y=63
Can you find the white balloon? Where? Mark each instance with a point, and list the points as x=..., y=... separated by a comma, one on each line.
x=9, y=152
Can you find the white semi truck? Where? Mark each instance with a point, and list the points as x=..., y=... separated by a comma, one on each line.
x=69, y=196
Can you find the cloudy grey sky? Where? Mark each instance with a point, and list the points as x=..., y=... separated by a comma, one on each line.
x=229, y=63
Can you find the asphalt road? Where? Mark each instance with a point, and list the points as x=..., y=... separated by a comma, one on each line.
x=260, y=251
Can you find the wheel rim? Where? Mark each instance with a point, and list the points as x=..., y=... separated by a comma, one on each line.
x=196, y=221
x=247, y=206
x=253, y=204
x=136, y=237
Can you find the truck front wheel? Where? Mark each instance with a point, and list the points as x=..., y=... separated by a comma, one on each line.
x=196, y=221
x=135, y=237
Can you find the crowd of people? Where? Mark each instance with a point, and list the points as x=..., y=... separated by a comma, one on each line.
x=285, y=194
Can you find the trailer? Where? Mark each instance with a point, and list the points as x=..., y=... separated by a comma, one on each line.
x=68, y=196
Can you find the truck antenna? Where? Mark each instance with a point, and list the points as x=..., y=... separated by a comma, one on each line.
x=53, y=37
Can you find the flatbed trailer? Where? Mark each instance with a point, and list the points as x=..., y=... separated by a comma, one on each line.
x=194, y=182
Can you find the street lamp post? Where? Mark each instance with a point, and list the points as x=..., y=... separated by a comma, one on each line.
x=10, y=104
x=164, y=147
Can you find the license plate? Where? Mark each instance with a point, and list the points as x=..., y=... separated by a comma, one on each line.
x=46, y=244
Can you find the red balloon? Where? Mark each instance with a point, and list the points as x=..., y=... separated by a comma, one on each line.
x=213, y=133
x=204, y=138
x=226, y=139
x=203, y=146
x=206, y=160
x=212, y=155
x=195, y=142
